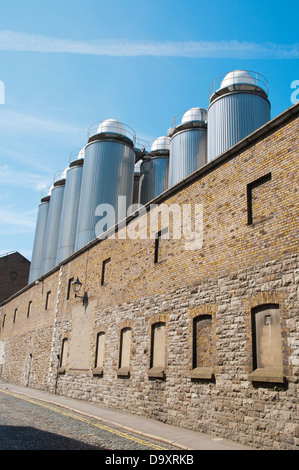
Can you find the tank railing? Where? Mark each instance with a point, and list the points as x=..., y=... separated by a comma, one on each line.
x=177, y=119
x=59, y=175
x=142, y=144
x=259, y=81
x=45, y=192
x=114, y=129
x=146, y=144
x=76, y=154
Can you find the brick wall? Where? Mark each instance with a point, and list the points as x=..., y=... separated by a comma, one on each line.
x=28, y=334
x=14, y=273
x=241, y=264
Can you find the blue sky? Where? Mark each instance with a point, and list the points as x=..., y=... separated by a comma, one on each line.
x=67, y=64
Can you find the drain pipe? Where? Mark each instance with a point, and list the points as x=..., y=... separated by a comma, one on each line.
x=28, y=377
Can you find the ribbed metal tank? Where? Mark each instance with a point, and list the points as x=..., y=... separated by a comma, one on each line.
x=136, y=198
x=188, y=145
x=40, y=230
x=70, y=207
x=238, y=106
x=154, y=170
x=108, y=173
x=53, y=224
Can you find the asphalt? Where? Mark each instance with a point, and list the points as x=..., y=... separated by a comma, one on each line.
x=182, y=438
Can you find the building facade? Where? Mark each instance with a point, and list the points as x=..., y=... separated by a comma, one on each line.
x=14, y=273
x=199, y=330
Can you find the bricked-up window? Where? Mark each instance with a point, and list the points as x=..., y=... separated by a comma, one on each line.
x=69, y=288
x=202, y=341
x=125, y=352
x=258, y=199
x=29, y=308
x=266, y=338
x=105, y=262
x=47, y=300
x=159, y=255
x=15, y=315
x=158, y=353
x=64, y=353
x=100, y=350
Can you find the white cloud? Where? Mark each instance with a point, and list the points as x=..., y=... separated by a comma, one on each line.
x=21, y=179
x=26, y=122
x=23, y=157
x=13, y=222
x=18, y=41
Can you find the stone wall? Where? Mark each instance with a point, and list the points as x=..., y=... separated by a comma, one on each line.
x=14, y=273
x=228, y=404
x=241, y=264
x=28, y=335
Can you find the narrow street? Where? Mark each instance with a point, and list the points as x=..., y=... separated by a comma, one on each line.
x=30, y=424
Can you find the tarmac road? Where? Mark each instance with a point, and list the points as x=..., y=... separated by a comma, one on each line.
x=32, y=419
x=29, y=424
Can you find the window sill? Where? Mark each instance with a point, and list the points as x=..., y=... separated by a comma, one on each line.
x=156, y=372
x=123, y=372
x=98, y=371
x=201, y=373
x=267, y=375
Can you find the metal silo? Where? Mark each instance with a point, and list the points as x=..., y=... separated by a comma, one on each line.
x=136, y=197
x=108, y=174
x=40, y=230
x=238, y=106
x=188, y=145
x=70, y=207
x=53, y=224
x=154, y=170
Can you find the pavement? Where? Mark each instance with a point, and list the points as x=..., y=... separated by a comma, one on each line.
x=184, y=439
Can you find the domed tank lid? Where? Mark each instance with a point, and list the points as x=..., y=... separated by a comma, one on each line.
x=112, y=126
x=81, y=154
x=63, y=175
x=77, y=158
x=46, y=195
x=194, y=114
x=238, y=80
x=59, y=178
x=161, y=143
x=111, y=129
x=237, y=76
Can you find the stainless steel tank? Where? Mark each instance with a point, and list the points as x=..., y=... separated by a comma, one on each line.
x=53, y=224
x=70, y=207
x=188, y=145
x=108, y=174
x=154, y=170
x=136, y=197
x=238, y=106
x=40, y=230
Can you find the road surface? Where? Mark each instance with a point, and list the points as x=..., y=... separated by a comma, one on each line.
x=30, y=424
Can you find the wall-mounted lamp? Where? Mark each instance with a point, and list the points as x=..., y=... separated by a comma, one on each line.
x=76, y=288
